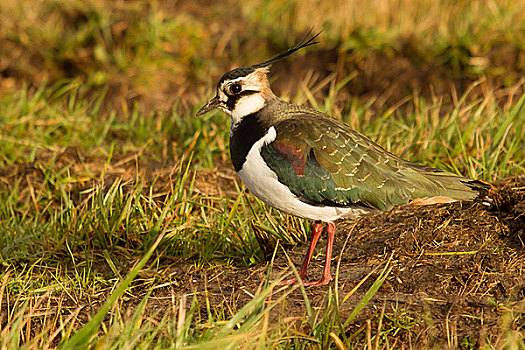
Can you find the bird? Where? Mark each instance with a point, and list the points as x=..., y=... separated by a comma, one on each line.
x=308, y=164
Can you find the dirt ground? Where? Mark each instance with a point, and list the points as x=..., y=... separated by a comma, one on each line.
x=457, y=269
x=459, y=266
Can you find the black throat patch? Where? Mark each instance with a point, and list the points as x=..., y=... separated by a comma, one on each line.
x=249, y=130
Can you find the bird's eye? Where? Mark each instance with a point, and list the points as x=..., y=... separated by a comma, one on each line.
x=235, y=88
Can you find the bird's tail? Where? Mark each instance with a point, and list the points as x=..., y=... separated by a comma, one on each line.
x=483, y=190
x=445, y=185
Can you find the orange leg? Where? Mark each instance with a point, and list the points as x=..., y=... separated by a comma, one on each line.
x=328, y=258
x=318, y=229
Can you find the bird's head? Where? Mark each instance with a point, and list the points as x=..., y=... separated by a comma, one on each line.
x=246, y=90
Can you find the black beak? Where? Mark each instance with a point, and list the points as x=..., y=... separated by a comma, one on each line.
x=212, y=104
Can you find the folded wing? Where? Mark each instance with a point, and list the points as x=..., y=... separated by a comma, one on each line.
x=325, y=162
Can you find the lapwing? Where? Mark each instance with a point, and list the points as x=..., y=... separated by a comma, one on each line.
x=311, y=165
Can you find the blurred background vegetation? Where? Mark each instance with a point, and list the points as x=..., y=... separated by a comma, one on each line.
x=163, y=54
x=142, y=68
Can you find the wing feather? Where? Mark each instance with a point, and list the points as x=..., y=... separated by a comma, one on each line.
x=323, y=161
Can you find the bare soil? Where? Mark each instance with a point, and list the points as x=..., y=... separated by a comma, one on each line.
x=457, y=269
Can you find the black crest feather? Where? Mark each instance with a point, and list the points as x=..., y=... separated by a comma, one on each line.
x=244, y=71
x=308, y=40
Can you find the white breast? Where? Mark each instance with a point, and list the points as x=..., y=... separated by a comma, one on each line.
x=263, y=183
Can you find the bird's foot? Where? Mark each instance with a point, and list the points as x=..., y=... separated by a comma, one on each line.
x=319, y=283
x=288, y=281
x=294, y=280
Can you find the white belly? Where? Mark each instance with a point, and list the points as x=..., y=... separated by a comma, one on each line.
x=263, y=183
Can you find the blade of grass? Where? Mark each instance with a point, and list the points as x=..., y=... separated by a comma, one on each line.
x=82, y=337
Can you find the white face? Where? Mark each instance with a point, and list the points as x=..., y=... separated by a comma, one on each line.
x=246, y=106
x=243, y=95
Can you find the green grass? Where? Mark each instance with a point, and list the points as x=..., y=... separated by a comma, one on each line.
x=70, y=220
x=101, y=154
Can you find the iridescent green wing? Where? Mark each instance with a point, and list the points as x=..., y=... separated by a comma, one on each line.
x=324, y=162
